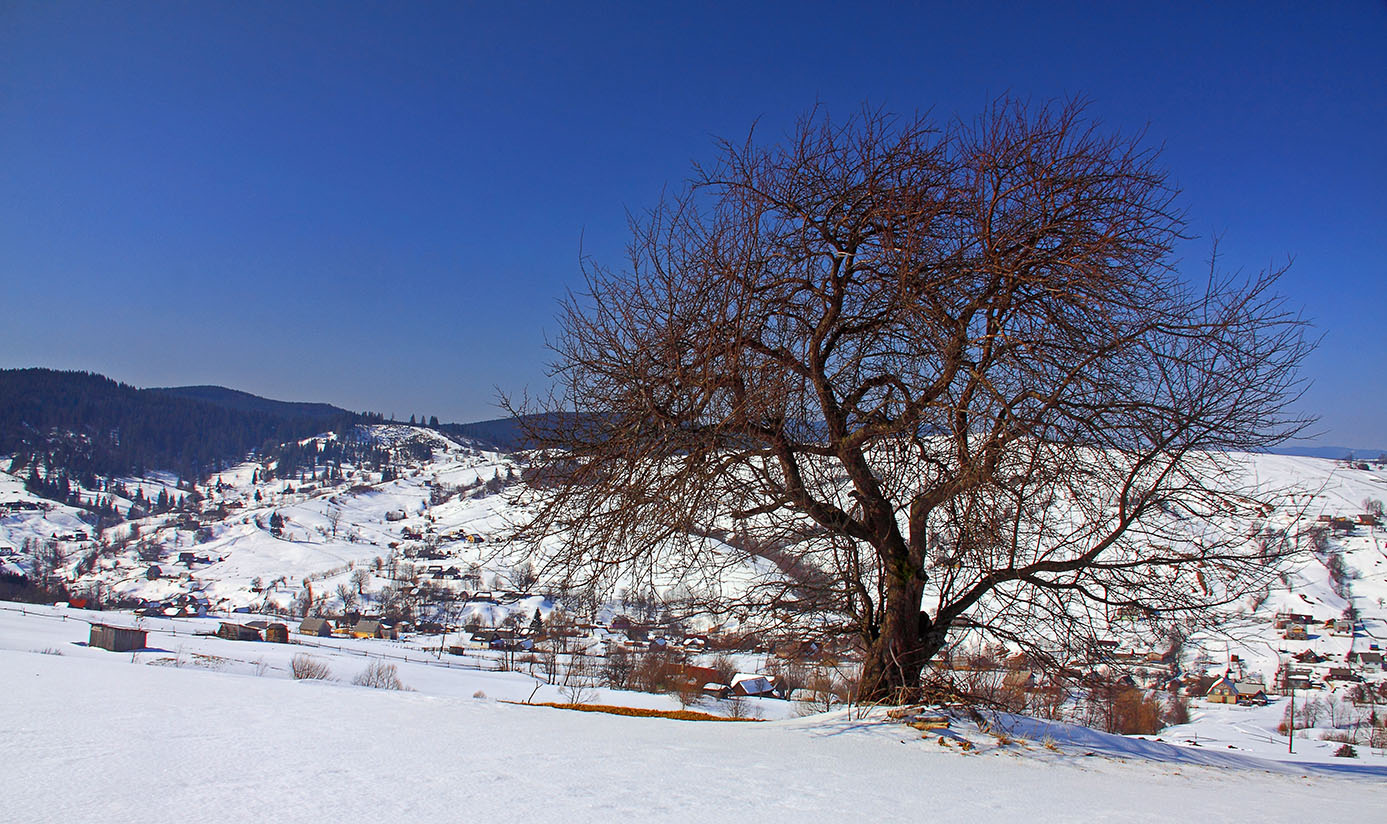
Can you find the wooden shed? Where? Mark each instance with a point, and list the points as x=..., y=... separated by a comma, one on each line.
x=238, y=632
x=116, y=639
x=372, y=629
x=277, y=634
x=320, y=627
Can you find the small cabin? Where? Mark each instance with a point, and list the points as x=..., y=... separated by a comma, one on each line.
x=320, y=627
x=116, y=639
x=238, y=632
x=277, y=633
x=372, y=629
x=753, y=685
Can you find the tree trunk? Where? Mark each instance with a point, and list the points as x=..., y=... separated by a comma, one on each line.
x=906, y=642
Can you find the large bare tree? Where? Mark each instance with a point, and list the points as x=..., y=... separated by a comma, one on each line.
x=947, y=376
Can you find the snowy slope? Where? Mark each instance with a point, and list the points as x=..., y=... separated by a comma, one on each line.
x=334, y=529
x=159, y=736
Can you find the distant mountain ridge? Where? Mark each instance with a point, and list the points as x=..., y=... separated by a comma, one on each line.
x=189, y=429
x=246, y=402
x=83, y=424
x=1332, y=452
x=505, y=434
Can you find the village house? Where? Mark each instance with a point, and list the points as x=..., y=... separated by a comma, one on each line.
x=753, y=685
x=506, y=640
x=689, y=675
x=24, y=506
x=1227, y=691
x=1285, y=619
x=1340, y=674
x=1308, y=656
x=1296, y=681
x=1370, y=661
x=372, y=629
x=184, y=605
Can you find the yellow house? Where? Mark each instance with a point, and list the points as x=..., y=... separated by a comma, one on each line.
x=1226, y=691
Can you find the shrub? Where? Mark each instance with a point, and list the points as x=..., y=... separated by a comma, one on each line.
x=306, y=667
x=1346, y=751
x=1125, y=710
x=1176, y=710
x=379, y=675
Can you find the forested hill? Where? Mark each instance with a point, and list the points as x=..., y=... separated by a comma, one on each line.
x=86, y=425
x=508, y=434
x=246, y=402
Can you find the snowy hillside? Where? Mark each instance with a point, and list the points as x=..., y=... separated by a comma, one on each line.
x=413, y=541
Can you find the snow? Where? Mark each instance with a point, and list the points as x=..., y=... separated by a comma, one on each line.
x=198, y=721
x=163, y=734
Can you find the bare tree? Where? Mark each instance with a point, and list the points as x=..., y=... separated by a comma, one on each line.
x=303, y=666
x=379, y=675
x=577, y=685
x=618, y=667
x=360, y=578
x=348, y=595
x=523, y=577
x=948, y=374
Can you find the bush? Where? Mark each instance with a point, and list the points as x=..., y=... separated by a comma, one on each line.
x=306, y=667
x=379, y=675
x=1126, y=710
x=1176, y=710
x=1346, y=751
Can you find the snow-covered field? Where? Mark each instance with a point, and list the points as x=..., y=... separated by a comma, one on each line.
x=209, y=729
x=197, y=725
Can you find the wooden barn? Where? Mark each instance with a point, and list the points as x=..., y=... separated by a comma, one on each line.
x=116, y=639
x=277, y=634
x=238, y=632
x=320, y=627
x=372, y=629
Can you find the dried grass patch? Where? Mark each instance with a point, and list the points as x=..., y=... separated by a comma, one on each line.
x=635, y=712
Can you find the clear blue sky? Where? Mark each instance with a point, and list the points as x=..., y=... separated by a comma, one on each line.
x=377, y=205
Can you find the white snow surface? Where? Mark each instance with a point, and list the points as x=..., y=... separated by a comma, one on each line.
x=163, y=735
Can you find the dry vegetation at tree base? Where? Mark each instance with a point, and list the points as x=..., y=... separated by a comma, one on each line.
x=635, y=712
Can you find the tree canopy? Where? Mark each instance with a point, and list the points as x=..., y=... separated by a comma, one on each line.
x=946, y=375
